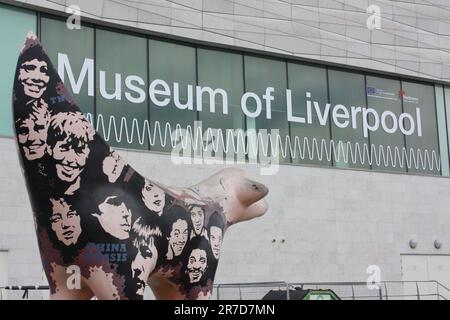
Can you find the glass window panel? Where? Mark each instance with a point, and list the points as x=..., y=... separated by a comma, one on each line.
x=14, y=26
x=172, y=63
x=261, y=73
x=442, y=128
x=221, y=70
x=348, y=89
x=423, y=150
x=447, y=113
x=78, y=45
x=302, y=79
x=124, y=55
x=383, y=95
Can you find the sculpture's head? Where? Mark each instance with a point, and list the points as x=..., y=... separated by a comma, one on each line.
x=241, y=197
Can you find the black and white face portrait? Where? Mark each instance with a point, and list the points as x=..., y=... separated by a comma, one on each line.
x=215, y=238
x=113, y=165
x=115, y=217
x=153, y=197
x=178, y=236
x=143, y=235
x=197, y=264
x=216, y=226
x=32, y=134
x=65, y=222
x=198, y=219
x=69, y=134
x=33, y=75
x=144, y=263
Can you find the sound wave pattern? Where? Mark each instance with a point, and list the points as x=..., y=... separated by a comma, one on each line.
x=263, y=143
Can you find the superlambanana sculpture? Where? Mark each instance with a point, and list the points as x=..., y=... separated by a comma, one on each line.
x=96, y=215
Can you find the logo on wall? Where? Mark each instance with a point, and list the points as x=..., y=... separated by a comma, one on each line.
x=402, y=94
x=378, y=93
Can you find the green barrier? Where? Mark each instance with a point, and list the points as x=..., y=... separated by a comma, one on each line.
x=321, y=295
x=299, y=294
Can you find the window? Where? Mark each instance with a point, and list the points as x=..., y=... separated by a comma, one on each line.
x=121, y=69
x=422, y=144
x=77, y=45
x=261, y=74
x=14, y=26
x=172, y=63
x=447, y=111
x=224, y=70
x=350, y=144
x=311, y=139
x=442, y=127
x=383, y=95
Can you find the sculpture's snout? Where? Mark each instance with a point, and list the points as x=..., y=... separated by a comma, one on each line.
x=250, y=191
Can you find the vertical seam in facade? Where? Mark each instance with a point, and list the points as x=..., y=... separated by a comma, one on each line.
x=245, y=116
x=368, y=132
x=147, y=58
x=437, y=121
x=288, y=122
x=447, y=138
x=94, y=121
x=403, y=110
x=329, y=122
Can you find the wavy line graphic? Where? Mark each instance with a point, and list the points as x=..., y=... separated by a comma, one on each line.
x=270, y=144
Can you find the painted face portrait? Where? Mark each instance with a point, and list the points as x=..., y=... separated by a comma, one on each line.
x=71, y=157
x=113, y=165
x=215, y=238
x=153, y=197
x=196, y=266
x=143, y=264
x=68, y=137
x=178, y=237
x=198, y=218
x=65, y=222
x=115, y=217
x=32, y=134
x=33, y=75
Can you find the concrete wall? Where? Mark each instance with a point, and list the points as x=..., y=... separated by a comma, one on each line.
x=414, y=38
x=17, y=233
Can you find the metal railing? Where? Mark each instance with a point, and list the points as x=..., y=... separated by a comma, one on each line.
x=23, y=292
x=244, y=289
x=384, y=290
